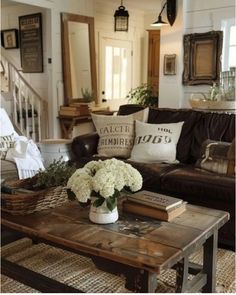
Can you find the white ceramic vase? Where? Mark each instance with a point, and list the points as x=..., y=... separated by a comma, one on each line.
x=102, y=215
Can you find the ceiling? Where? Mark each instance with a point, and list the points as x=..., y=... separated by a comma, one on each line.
x=143, y=5
x=6, y=3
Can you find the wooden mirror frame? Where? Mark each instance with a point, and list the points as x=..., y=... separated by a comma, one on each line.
x=195, y=46
x=65, y=18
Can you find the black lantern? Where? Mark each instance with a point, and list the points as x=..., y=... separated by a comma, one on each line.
x=121, y=19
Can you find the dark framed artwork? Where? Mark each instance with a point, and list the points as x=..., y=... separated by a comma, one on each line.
x=202, y=58
x=31, y=45
x=169, y=64
x=9, y=38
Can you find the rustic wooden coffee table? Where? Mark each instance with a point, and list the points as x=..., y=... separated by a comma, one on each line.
x=137, y=248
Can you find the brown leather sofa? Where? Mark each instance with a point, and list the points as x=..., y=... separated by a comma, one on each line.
x=182, y=180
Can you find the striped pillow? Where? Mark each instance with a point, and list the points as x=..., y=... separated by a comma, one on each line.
x=6, y=142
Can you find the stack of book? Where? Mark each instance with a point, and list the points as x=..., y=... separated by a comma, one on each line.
x=154, y=205
x=74, y=111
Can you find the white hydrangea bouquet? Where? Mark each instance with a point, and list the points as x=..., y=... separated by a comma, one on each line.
x=104, y=180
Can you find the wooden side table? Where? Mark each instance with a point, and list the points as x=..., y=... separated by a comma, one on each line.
x=67, y=124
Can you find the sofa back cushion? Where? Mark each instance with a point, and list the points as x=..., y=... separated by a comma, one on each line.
x=165, y=115
x=198, y=126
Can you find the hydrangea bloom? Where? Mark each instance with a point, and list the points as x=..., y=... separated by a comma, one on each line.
x=105, y=178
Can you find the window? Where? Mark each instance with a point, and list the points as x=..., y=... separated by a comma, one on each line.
x=229, y=44
x=232, y=47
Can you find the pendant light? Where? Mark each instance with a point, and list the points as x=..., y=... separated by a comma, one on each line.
x=171, y=14
x=121, y=19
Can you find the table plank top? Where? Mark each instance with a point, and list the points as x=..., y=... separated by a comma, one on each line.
x=136, y=241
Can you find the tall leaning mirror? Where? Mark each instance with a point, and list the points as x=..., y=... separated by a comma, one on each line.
x=78, y=52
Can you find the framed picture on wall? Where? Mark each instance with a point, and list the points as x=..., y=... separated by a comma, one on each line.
x=31, y=45
x=9, y=38
x=202, y=58
x=169, y=64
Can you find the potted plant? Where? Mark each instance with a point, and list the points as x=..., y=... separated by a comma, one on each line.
x=87, y=95
x=143, y=95
x=100, y=183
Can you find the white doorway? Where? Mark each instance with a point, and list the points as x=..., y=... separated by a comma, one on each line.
x=115, y=71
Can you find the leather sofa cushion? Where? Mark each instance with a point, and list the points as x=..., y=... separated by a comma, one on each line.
x=199, y=186
x=162, y=115
x=152, y=173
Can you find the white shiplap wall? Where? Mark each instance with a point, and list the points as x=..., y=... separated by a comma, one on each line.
x=104, y=25
x=170, y=86
x=203, y=16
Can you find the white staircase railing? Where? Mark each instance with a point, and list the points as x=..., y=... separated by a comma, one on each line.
x=29, y=110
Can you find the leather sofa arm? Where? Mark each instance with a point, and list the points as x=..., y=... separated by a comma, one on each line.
x=84, y=145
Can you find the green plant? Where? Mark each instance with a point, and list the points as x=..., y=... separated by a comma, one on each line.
x=143, y=95
x=87, y=95
x=56, y=174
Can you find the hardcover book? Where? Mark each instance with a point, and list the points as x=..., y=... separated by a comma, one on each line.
x=148, y=211
x=155, y=200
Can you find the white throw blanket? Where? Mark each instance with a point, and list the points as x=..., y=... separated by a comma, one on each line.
x=27, y=157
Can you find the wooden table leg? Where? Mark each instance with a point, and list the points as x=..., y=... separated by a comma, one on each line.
x=66, y=129
x=182, y=275
x=209, y=262
x=137, y=280
x=141, y=281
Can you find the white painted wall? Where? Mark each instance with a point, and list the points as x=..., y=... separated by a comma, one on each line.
x=104, y=26
x=9, y=20
x=170, y=88
x=203, y=16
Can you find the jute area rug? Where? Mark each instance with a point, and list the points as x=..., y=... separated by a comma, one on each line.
x=80, y=272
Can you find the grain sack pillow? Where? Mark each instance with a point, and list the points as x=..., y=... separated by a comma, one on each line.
x=156, y=142
x=116, y=133
x=6, y=142
x=218, y=157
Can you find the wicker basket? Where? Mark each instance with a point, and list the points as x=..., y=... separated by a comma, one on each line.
x=26, y=203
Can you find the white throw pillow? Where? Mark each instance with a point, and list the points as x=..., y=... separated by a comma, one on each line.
x=156, y=142
x=6, y=127
x=6, y=142
x=116, y=133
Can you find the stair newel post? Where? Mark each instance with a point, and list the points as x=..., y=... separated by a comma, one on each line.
x=27, y=111
x=20, y=107
x=39, y=119
x=14, y=98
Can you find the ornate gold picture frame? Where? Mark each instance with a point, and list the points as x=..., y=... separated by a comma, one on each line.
x=202, y=58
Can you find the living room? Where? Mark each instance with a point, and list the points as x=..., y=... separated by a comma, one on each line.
x=187, y=174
